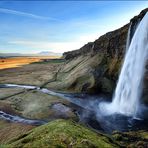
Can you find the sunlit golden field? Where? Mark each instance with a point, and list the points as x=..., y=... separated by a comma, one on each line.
x=19, y=61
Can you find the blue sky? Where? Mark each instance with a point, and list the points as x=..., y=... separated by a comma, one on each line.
x=59, y=26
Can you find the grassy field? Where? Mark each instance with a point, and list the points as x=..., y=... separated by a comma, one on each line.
x=19, y=61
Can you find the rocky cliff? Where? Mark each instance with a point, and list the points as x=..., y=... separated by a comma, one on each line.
x=95, y=67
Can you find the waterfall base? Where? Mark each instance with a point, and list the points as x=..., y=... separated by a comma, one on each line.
x=111, y=108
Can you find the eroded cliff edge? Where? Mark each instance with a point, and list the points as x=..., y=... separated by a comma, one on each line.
x=95, y=67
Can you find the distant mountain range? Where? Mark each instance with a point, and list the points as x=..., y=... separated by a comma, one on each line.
x=43, y=53
x=46, y=53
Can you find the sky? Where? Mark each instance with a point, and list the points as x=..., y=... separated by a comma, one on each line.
x=60, y=26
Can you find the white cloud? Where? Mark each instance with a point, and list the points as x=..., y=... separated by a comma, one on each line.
x=58, y=47
x=25, y=14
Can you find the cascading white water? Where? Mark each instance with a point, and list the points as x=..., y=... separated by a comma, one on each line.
x=129, y=87
x=128, y=37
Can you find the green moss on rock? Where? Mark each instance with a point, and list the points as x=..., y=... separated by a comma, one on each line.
x=62, y=133
x=132, y=139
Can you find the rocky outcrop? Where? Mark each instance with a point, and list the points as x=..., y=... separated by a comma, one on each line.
x=82, y=51
x=95, y=67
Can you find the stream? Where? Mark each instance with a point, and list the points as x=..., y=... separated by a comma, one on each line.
x=19, y=119
x=87, y=111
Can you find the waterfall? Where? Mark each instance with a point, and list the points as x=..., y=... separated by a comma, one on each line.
x=131, y=31
x=127, y=95
x=128, y=37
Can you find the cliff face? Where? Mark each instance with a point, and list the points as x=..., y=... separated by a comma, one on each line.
x=95, y=67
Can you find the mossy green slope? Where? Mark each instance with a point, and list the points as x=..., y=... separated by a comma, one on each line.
x=63, y=133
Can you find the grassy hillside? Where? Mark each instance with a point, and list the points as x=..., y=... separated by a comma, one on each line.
x=62, y=133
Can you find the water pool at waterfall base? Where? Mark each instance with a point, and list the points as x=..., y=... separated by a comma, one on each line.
x=102, y=120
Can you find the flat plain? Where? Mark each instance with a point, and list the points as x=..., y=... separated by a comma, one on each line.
x=19, y=61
